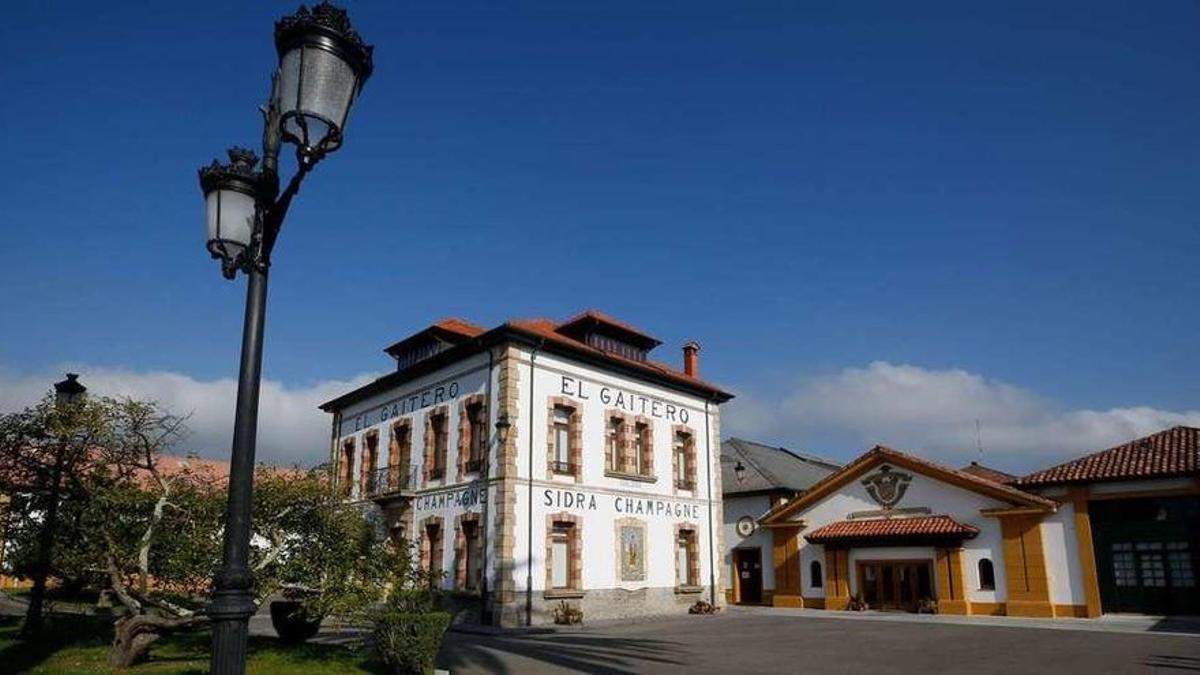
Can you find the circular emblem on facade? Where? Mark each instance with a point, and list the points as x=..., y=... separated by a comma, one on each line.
x=886, y=486
x=745, y=526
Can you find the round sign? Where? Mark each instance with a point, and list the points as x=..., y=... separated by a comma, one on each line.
x=745, y=526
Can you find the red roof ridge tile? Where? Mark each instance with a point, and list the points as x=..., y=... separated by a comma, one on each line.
x=1174, y=451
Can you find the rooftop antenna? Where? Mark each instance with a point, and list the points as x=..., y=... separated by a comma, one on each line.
x=978, y=441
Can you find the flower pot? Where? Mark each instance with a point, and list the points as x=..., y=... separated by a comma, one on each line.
x=291, y=622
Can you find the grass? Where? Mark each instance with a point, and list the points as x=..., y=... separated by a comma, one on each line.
x=79, y=644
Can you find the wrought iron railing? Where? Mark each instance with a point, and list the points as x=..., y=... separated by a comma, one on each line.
x=684, y=484
x=390, y=480
x=565, y=468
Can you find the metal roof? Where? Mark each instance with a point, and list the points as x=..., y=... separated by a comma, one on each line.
x=769, y=468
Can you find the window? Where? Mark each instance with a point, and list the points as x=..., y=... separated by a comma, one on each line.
x=370, y=457
x=562, y=439
x=987, y=575
x=472, y=552
x=1179, y=563
x=640, y=448
x=438, y=428
x=681, y=461
x=347, y=469
x=686, y=567
x=612, y=450
x=1124, y=571
x=398, y=457
x=562, y=543
x=478, y=436
x=433, y=535
x=815, y=578
x=1150, y=560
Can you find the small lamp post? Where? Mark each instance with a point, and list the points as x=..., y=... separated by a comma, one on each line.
x=323, y=64
x=739, y=472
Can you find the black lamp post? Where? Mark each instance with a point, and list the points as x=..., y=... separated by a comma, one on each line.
x=323, y=64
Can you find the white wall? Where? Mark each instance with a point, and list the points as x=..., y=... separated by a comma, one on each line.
x=923, y=491
x=1062, y=557
x=754, y=507
x=598, y=530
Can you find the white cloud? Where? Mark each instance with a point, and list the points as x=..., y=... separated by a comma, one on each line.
x=291, y=428
x=933, y=413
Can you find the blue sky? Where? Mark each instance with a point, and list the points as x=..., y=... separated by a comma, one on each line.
x=902, y=199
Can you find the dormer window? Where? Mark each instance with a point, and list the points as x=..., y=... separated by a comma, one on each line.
x=605, y=333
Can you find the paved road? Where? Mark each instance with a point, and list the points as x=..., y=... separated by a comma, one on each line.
x=766, y=642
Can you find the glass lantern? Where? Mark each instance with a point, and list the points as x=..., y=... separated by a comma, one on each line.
x=323, y=64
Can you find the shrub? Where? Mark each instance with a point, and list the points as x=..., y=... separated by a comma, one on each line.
x=408, y=642
x=565, y=615
x=703, y=607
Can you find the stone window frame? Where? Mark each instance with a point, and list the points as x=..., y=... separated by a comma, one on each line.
x=426, y=549
x=349, y=447
x=370, y=459
x=627, y=446
x=574, y=438
x=466, y=435
x=574, y=586
x=692, y=578
x=430, y=448
x=460, y=550
x=689, y=481
x=400, y=455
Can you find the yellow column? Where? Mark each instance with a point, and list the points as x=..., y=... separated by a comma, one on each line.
x=951, y=588
x=1087, y=552
x=837, y=578
x=787, y=567
x=1025, y=566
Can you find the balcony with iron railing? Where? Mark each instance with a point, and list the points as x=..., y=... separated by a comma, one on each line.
x=389, y=481
x=562, y=468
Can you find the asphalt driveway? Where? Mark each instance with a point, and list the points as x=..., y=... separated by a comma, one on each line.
x=762, y=641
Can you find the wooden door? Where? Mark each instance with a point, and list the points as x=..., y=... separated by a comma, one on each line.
x=749, y=570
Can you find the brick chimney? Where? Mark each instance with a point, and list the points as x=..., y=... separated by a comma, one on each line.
x=691, y=359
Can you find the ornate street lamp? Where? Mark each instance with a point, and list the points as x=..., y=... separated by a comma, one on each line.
x=322, y=67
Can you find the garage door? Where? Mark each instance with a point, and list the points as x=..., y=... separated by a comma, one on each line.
x=1147, y=554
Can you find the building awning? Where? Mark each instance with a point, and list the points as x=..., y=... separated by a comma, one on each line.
x=892, y=531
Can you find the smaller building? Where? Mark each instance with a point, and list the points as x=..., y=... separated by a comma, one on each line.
x=1115, y=531
x=756, y=478
x=1136, y=516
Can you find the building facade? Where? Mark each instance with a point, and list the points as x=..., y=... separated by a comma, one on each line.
x=542, y=462
x=1115, y=531
x=757, y=478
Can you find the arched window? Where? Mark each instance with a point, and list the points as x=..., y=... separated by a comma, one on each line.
x=814, y=574
x=987, y=575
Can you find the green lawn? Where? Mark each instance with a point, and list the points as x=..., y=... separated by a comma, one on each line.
x=81, y=644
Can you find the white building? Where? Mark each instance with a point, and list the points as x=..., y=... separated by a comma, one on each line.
x=541, y=462
x=757, y=478
x=1115, y=531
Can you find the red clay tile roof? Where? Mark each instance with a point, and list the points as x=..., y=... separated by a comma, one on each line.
x=988, y=473
x=647, y=340
x=1173, y=452
x=850, y=531
x=460, y=326
x=547, y=329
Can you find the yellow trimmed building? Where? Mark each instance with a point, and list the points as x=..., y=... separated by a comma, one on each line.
x=1116, y=531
